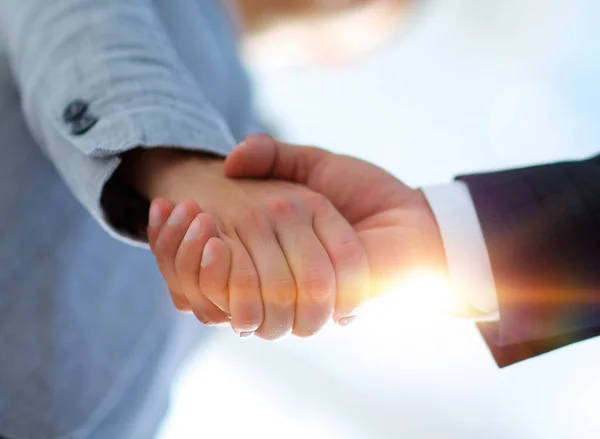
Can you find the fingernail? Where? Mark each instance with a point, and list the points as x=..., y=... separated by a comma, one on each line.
x=242, y=143
x=178, y=215
x=207, y=255
x=194, y=231
x=246, y=334
x=155, y=218
x=346, y=321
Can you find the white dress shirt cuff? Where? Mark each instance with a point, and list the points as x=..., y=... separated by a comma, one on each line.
x=471, y=276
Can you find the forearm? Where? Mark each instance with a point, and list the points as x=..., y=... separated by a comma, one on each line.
x=541, y=229
x=112, y=54
x=115, y=57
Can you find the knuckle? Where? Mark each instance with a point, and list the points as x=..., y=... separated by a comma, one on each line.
x=245, y=279
x=283, y=208
x=318, y=284
x=163, y=247
x=351, y=252
x=181, y=265
x=216, y=294
x=284, y=292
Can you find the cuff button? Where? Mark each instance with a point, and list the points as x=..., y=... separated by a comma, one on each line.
x=83, y=124
x=75, y=110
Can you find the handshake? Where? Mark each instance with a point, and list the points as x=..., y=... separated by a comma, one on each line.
x=280, y=239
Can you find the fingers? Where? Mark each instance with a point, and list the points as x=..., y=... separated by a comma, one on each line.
x=214, y=273
x=160, y=211
x=176, y=258
x=167, y=243
x=290, y=270
x=196, y=265
x=349, y=260
x=207, y=312
x=311, y=267
x=277, y=285
x=262, y=156
x=245, y=301
x=188, y=259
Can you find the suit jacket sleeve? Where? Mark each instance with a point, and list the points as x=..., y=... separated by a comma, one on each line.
x=541, y=226
x=114, y=57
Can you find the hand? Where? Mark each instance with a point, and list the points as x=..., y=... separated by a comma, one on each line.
x=394, y=222
x=277, y=257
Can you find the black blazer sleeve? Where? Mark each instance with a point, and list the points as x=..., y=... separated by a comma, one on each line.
x=542, y=230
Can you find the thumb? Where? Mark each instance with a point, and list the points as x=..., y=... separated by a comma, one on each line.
x=261, y=156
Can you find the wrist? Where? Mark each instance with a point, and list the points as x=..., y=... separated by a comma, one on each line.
x=145, y=174
x=158, y=172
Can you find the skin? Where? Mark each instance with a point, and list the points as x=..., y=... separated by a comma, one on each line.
x=279, y=258
x=393, y=223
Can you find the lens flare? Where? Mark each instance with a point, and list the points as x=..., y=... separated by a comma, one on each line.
x=422, y=295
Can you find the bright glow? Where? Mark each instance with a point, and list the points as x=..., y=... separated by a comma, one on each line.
x=425, y=291
x=420, y=297
x=423, y=294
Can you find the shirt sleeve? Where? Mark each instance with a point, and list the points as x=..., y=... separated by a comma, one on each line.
x=101, y=77
x=469, y=266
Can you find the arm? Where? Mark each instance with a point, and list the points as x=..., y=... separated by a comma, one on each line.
x=528, y=236
x=138, y=99
x=542, y=232
x=114, y=57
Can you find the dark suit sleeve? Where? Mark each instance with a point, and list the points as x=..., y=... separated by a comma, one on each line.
x=542, y=230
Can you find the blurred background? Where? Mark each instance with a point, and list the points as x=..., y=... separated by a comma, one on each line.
x=426, y=89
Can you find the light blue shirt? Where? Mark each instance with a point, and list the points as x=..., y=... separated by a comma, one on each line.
x=88, y=336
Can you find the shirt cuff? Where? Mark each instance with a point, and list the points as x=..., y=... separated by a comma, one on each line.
x=88, y=162
x=471, y=277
